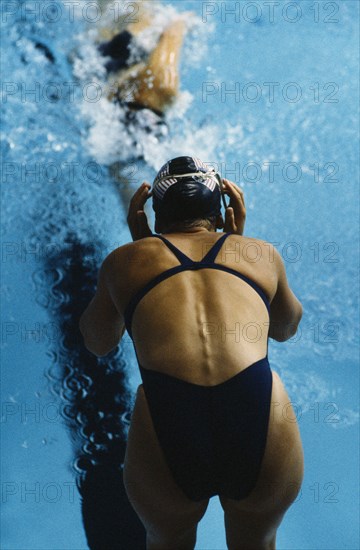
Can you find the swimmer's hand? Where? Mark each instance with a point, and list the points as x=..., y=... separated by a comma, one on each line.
x=136, y=218
x=235, y=214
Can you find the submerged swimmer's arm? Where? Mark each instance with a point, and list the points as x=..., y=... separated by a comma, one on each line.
x=285, y=308
x=101, y=324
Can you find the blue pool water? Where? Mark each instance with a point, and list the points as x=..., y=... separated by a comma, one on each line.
x=270, y=98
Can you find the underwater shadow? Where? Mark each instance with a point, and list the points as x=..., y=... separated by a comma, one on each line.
x=95, y=397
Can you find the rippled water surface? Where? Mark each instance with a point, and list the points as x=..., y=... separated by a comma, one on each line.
x=272, y=103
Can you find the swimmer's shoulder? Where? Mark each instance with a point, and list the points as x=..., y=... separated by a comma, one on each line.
x=126, y=254
x=254, y=247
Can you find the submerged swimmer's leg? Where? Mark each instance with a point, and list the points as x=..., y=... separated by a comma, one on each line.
x=158, y=82
x=153, y=83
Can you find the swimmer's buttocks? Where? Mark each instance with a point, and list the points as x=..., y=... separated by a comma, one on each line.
x=186, y=188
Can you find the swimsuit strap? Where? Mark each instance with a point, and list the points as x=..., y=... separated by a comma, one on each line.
x=183, y=259
x=186, y=263
x=209, y=258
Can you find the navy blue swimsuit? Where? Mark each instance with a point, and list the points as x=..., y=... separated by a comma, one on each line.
x=213, y=437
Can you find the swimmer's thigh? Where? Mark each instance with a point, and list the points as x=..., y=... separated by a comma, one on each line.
x=252, y=522
x=169, y=517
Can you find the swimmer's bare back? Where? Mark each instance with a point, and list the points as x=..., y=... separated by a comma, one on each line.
x=204, y=327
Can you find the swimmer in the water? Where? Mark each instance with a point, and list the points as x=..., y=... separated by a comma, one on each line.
x=143, y=81
x=209, y=416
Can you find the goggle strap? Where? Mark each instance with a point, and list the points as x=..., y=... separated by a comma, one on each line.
x=202, y=175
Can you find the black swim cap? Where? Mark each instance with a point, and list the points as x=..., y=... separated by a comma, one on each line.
x=185, y=189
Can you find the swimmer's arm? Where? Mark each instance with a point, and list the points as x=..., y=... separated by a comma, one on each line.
x=101, y=324
x=136, y=218
x=285, y=308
